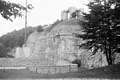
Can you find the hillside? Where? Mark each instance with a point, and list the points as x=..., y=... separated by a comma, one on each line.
x=16, y=38
x=13, y=39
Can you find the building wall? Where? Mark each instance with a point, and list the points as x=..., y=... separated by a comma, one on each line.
x=64, y=15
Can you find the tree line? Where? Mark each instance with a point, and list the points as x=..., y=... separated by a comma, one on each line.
x=13, y=39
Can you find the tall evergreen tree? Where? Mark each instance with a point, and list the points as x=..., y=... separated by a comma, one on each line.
x=102, y=28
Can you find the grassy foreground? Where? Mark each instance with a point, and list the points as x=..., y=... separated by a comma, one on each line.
x=108, y=72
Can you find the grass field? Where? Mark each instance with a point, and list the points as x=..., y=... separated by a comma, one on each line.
x=108, y=72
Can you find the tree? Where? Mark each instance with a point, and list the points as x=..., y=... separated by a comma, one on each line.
x=8, y=9
x=39, y=28
x=3, y=51
x=102, y=28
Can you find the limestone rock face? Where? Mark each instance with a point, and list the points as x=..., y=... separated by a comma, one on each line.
x=117, y=58
x=59, y=44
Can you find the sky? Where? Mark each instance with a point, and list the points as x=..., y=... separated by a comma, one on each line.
x=44, y=12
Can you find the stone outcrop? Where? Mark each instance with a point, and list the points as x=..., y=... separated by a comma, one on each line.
x=59, y=44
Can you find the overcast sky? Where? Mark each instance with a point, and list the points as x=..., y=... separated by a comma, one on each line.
x=44, y=12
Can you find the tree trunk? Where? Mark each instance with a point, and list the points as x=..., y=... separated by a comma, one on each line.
x=108, y=53
x=109, y=47
x=110, y=56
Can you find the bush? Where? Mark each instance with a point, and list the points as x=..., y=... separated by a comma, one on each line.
x=78, y=62
x=39, y=28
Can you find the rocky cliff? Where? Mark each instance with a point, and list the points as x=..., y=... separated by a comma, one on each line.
x=59, y=43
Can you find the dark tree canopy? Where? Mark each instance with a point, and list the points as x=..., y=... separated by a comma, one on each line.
x=8, y=9
x=102, y=28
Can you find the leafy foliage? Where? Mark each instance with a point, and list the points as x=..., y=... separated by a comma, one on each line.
x=8, y=9
x=102, y=28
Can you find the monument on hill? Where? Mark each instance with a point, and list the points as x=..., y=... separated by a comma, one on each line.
x=71, y=12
